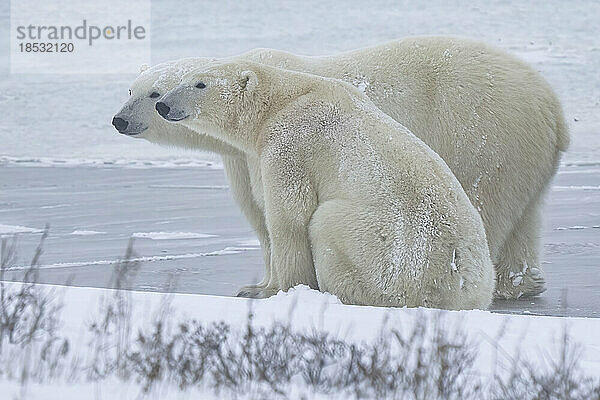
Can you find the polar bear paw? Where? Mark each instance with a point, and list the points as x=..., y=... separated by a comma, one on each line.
x=526, y=283
x=256, y=292
x=250, y=291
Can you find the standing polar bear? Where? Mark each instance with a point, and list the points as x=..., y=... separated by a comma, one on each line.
x=355, y=204
x=495, y=122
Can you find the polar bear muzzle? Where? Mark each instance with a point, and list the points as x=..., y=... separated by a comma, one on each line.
x=125, y=125
x=168, y=113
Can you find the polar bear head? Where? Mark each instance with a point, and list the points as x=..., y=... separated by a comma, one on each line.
x=138, y=118
x=222, y=99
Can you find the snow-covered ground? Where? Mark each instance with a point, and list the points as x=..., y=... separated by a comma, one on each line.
x=61, y=163
x=496, y=337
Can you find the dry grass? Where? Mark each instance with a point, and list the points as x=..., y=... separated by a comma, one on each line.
x=30, y=344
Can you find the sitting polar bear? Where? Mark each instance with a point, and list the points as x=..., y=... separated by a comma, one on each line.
x=495, y=122
x=355, y=204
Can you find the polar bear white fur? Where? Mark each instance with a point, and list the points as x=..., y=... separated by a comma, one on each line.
x=381, y=215
x=495, y=122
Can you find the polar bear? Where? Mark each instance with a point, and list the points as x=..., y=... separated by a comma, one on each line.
x=495, y=122
x=355, y=204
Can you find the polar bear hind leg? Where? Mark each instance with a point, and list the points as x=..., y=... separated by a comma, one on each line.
x=353, y=253
x=333, y=256
x=518, y=267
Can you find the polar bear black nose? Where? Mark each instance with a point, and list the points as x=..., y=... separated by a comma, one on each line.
x=120, y=124
x=162, y=109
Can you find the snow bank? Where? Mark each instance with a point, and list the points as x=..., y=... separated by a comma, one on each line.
x=307, y=309
x=531, y=337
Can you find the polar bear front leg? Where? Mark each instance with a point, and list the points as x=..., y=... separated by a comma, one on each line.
x=255, y=290
x=291, y=260
x=289, y=203
x=236, y=168
x=291, y=257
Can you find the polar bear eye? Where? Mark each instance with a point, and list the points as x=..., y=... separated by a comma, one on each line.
x=130, y=92
x=154, y=95
x=200, y=85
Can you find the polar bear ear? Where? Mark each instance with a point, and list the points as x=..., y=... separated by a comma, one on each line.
x=248, y=80
x=144, y=67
